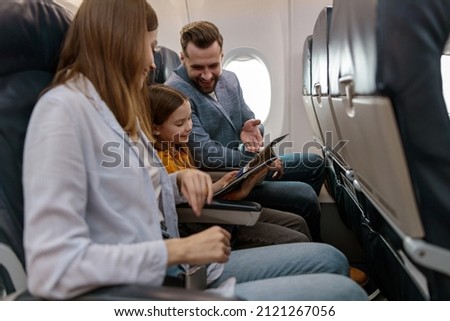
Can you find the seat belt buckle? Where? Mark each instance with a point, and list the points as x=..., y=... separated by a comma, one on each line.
x=195, y=277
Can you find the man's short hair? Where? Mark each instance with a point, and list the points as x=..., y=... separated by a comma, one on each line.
x=202, y=34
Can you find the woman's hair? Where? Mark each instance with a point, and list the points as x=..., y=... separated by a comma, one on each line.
x=106, y=43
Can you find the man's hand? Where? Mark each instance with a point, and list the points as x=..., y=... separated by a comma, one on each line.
x=196, y=187
x=251, y=135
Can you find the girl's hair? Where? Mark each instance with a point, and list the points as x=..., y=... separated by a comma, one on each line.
x=106, y=43
x=164, y=100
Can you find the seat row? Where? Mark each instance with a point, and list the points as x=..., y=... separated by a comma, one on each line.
x=373, y=95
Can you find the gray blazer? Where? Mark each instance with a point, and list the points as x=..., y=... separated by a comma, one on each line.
x=90, y=207
x=217, y=124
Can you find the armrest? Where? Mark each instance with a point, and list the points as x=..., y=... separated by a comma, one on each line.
x=13, y=268
x=112, y=293
x=222, y=212
x=136, y=293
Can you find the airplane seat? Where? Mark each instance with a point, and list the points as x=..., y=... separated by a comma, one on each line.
x=31, y=32
x=319, y=86
x=307, y=91
x=316, y=89
x=386, y=89
x=29, y=58
x=166, y=60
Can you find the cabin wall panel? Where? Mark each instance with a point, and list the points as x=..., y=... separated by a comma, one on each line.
x=172, y=16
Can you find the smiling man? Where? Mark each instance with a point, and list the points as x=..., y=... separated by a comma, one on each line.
x=225, y=132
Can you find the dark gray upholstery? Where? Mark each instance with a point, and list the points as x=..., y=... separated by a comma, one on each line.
x=30, y=36
x=166, y=60
x=411, y=77
x=376, y=84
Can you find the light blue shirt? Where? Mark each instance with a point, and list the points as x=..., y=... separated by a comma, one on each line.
x=91, y=213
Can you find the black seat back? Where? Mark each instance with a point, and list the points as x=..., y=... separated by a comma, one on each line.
x=166, y=60
x=31, y=33
x=386, y=88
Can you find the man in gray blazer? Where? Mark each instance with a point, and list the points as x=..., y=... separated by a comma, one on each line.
x=225, y=132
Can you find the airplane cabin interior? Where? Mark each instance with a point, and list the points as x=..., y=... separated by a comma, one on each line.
x=363, y=83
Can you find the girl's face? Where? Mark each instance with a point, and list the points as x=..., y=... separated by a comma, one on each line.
x=149, y=63
x=177, y=127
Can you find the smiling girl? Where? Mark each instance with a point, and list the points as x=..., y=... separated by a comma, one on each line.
x=171, y=127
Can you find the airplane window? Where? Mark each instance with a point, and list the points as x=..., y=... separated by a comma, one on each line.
x=445, y=70
x=254, y=78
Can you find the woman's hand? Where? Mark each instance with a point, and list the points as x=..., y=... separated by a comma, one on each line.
x=196, y=187
x=210, y=245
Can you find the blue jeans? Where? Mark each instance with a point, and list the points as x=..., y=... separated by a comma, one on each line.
x=291, y=272
x=296, y=191
x=303, y=167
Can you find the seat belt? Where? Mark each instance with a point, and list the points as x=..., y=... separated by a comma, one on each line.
x=182, y=275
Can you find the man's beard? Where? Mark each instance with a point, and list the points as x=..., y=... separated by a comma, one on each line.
x=207, y=90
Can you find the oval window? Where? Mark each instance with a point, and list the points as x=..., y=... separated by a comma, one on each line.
x=254, y=78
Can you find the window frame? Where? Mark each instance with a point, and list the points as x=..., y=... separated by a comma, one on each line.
x=241, y=54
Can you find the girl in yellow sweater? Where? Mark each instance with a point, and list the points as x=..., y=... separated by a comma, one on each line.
x=171, y=126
